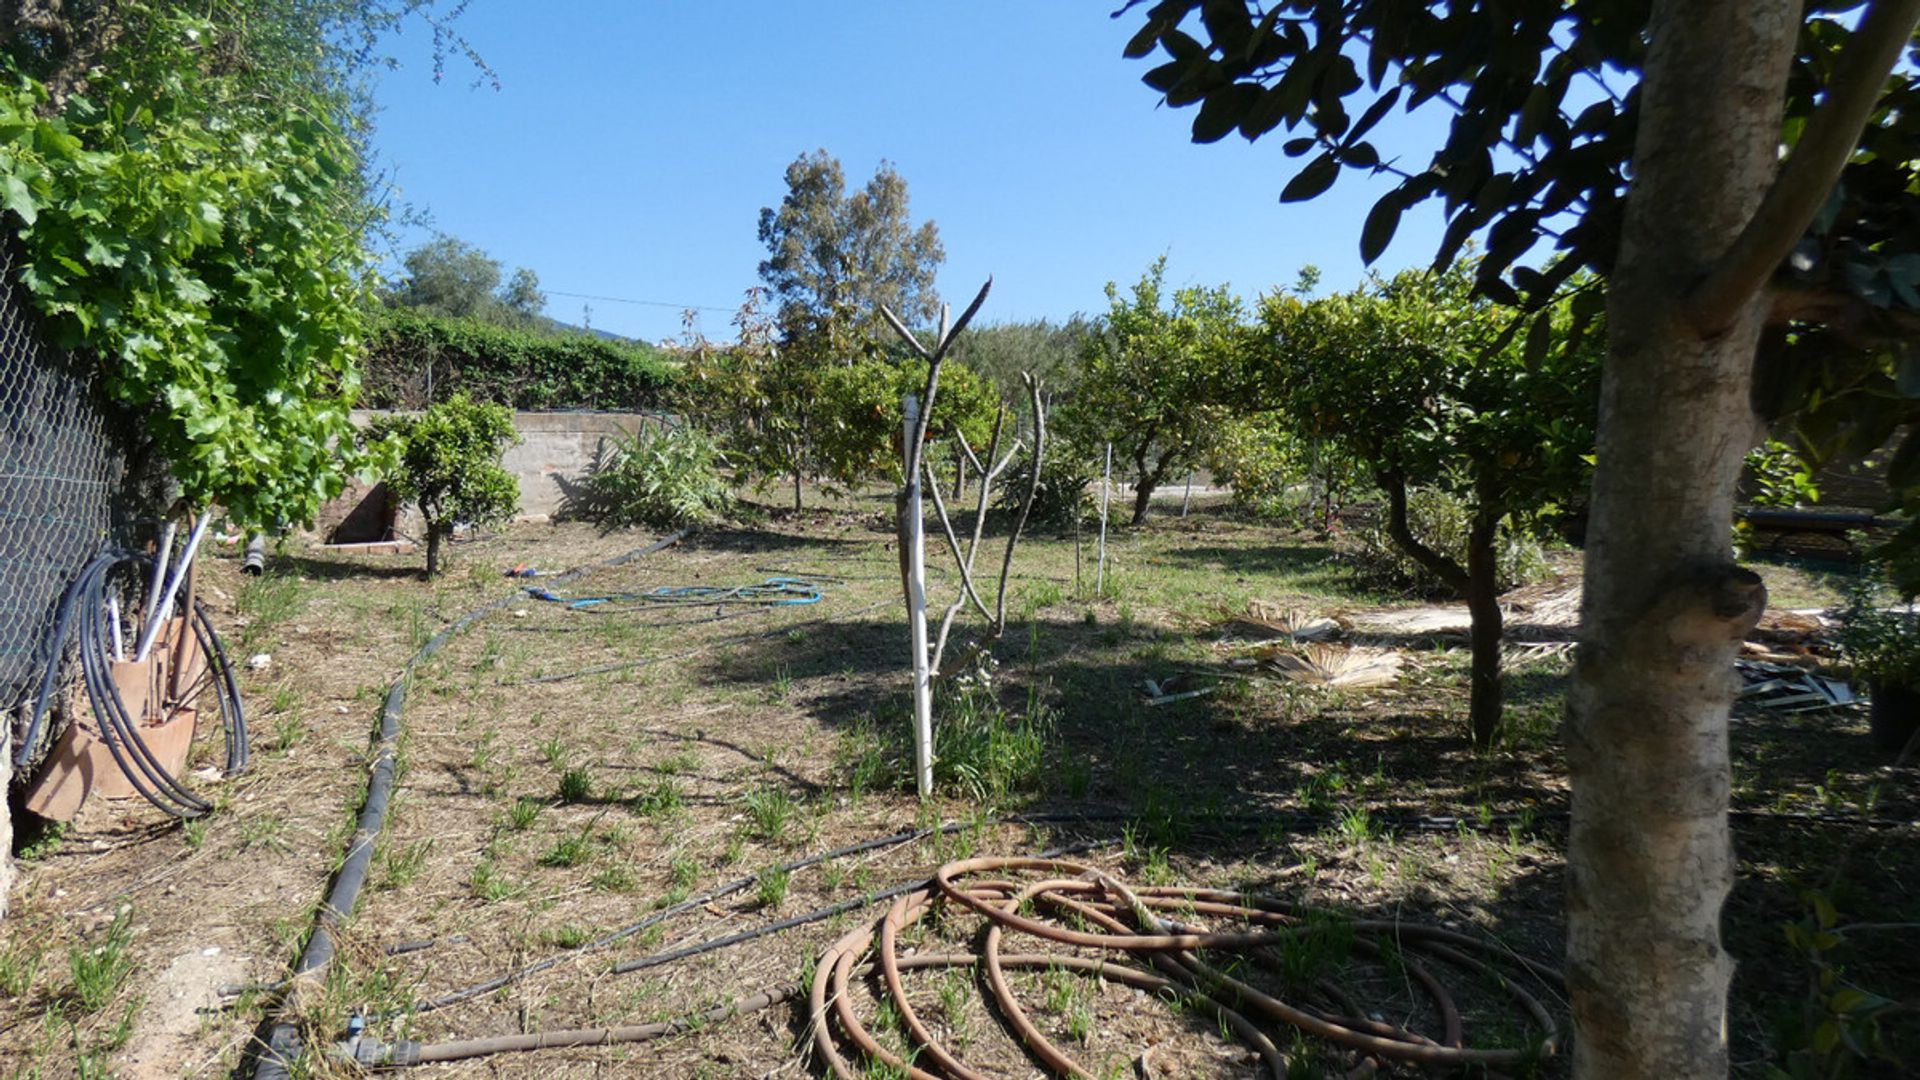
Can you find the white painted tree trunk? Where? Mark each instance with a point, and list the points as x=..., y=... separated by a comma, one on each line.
x=916, y=558
x=1650, y=859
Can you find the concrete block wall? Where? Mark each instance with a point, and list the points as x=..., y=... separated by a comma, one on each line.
x=556, y=449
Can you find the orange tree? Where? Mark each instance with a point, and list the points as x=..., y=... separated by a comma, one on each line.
x=1425, y=384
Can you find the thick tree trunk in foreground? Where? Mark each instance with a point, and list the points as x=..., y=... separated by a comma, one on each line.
x=1650, y=859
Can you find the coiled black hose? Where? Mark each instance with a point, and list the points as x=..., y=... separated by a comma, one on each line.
x=84, y=610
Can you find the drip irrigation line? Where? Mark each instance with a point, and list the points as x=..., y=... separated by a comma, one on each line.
x=737, y=885
x=277, y=1044
x=371, y=1053
x=737, y=639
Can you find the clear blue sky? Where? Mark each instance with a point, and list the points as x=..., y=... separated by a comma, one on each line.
x=632, y=144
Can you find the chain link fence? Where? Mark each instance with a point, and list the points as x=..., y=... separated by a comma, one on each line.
x=60, y=479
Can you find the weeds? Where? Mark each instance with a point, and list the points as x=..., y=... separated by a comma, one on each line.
x=99, y=970
x=770, y=810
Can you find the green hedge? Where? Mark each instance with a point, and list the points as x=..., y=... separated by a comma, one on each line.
x=413, y=359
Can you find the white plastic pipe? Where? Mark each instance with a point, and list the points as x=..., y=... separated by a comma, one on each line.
x=159, y=615
x=916, y=541
x=113, y=622
x=161, y=557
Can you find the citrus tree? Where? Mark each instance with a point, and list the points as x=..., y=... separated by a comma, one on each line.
x=1157, y=378
x=1708, y=160
x=449, y=466
x=1422, y=382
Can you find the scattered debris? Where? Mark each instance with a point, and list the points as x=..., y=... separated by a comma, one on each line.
x=1168, y=691
x=259, y=662
x=1787, y=688
x=1267, y=622
x=1320, y=664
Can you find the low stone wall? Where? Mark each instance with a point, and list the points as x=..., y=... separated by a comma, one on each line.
x=555, y=450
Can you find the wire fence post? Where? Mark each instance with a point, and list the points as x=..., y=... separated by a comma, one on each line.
x=1106, y=490
x=916, y=559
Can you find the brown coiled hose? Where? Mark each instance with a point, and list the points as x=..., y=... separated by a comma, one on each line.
x=1130, y=928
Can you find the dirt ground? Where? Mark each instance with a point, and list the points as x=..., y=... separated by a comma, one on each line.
x=570, y=772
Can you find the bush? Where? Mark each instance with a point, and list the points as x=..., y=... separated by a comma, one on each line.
x=1441, y=522
x=1254, y=457
x=449, y=466
x=660, y=477
x=414, y=358
x=1065, y=495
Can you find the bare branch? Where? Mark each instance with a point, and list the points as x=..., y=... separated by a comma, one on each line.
x=1033, y=490
x=960, y=557
x=948, y=337
x=1803, y=183
x=901, y=329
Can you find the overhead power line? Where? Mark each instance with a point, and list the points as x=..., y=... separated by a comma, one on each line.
x=641, y=303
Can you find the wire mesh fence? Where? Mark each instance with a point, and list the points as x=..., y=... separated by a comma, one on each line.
x=60, y=476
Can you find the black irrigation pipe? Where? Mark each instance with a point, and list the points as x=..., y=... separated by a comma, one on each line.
x=281, y=1044
x=365, y=1050
x=737, y=885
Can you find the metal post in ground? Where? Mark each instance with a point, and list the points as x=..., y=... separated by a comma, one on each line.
x=1106, y=489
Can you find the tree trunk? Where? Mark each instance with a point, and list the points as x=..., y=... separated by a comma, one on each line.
x=436, y=534
x=1142, y=500
x=1483, y=603
x=796, y=491
x=1649, y=861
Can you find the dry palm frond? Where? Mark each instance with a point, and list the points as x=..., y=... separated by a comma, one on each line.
x=1320, y=664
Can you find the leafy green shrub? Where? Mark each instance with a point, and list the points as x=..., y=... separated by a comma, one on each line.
x=1065, y=495
x=199, y=235
x=449, y=466
x=414, y=357
x=1442, y=522
x=660, y=477
x=1253, y=456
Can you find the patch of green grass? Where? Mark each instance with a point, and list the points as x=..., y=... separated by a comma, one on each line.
x=576, y=786
x=567, y=936
x=771, y=891
x=664, y=799
x=265, y=602
x=678, y=764
x=403, y=866
x=19, y=967
x=524, y=811
x=265, y=832
x=570, y=850
x=614, y=879
x=553, y=751
x=986, y=752
x=770, y=811
x=489, y=884
x=99, y=968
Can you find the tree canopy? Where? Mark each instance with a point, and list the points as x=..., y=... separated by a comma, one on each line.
x=833, y=258
x=1418, y=380
x=1156, y=378
x=448, y=276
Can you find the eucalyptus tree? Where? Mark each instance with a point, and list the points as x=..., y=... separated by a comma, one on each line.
x=834, y=258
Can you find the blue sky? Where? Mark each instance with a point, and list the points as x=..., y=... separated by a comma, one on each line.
x=632, y=144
